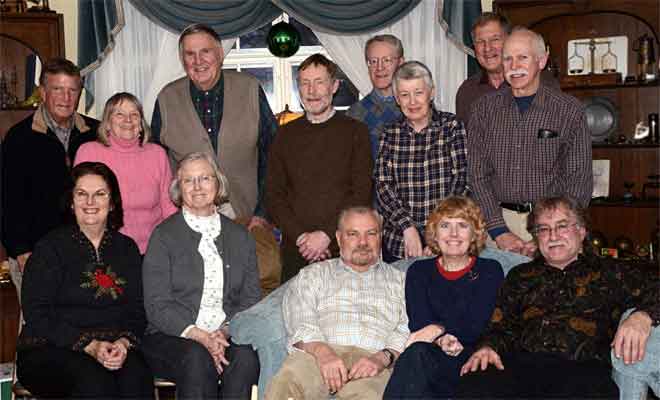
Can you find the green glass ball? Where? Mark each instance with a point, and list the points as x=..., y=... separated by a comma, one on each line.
x=283, y=40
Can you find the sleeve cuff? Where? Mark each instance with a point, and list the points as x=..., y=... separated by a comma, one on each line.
x=186, y=331
x=495, y=232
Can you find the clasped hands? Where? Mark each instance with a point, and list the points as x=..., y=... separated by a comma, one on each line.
x=109, y=354
x=435, y=333
x=334, y=372
x=215, y=342
x=511, y=242
x=313, y=246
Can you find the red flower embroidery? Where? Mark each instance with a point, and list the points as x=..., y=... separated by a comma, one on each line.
x=104, y=282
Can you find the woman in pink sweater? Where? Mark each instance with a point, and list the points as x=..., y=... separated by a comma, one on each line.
x=142, y=168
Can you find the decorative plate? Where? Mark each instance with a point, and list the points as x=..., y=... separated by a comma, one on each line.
x=602, y=118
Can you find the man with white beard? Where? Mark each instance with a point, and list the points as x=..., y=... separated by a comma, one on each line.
x=526, y=142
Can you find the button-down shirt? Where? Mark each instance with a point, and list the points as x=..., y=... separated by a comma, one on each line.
x=415, y=170
x=517, y=158
x=62, y=133
x=375, y=110
x=573, y=312
x=332, y=303
x=209, y=106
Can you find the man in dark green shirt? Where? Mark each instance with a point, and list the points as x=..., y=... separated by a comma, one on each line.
x=551, y=331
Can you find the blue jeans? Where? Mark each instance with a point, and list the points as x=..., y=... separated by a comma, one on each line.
x=635, y=379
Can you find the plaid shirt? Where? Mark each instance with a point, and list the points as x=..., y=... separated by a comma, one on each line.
x=330, y=302
x=414, y=171
x=517, y=158
x=375, y=111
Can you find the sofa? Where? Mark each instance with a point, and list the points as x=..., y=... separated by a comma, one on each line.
x=262, y=325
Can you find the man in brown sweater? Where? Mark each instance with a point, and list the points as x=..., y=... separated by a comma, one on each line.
x=318, y=165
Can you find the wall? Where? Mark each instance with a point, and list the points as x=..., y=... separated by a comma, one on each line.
x=486, y=5
x=68, y=8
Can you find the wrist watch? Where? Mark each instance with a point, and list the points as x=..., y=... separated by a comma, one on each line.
x=390, y=357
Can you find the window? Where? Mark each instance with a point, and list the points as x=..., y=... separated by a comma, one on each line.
x=278, y=75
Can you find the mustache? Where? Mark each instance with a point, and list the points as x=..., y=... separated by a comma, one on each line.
x=516, y=72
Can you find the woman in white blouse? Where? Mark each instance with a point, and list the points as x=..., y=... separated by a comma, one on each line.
x=199, y=270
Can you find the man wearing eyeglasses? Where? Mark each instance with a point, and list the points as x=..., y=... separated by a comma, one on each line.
x=525, y=142
x=383, y=55
x=553, y=326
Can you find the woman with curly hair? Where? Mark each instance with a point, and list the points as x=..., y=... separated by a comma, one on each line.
x=449, y=300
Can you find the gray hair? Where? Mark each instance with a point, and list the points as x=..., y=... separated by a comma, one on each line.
x=538, y=44
x=387, y=38
x=198, y=28
x=358, y=210
x=412, y=70
x=223, y=184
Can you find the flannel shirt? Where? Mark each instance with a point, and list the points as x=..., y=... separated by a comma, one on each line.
x=332, y=303
x=375, y=111
x=518, y=158
x=573, y=312
x=209, y=105
x=414, y=171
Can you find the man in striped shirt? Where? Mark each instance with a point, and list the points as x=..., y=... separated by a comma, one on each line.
x=345, y=318
x=526, y=142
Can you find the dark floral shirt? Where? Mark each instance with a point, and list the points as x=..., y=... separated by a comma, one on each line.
x=573, y=312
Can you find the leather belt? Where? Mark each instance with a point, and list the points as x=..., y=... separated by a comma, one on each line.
x=518, y=207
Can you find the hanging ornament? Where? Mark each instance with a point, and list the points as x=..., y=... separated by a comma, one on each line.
x=283, y=40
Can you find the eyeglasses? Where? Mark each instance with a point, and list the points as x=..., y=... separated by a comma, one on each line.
x=81, y=196
x=202, y=180
x=562, y=228
x=384, y=61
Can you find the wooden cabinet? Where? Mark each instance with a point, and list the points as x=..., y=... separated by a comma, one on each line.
x=562, y=20
x=9, y=322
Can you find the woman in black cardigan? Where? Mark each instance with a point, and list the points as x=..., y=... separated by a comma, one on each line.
x=82, y=301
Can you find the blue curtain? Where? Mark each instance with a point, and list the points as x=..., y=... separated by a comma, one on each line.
x=457, y=18
x=230, y=18
x=348, y=17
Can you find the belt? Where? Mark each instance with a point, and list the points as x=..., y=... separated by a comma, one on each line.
x=518, y=207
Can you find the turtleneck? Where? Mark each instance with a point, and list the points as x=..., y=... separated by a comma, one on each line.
x=124, y=145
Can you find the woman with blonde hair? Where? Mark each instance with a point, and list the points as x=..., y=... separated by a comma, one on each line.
x=142, y=168
x=449, y=300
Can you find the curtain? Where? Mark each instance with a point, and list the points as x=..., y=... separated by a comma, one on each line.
x=347, y=17
x=457, y=17
x=423, y=40
x=230, y=18
x=101, y=21
x=145, y=59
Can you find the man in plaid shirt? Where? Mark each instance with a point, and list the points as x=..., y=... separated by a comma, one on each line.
x=526, y=142
x=345, y=319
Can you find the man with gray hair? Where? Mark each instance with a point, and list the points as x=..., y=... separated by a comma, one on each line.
x=224, y=113
x=526, y=142
x=345, y=319
x=383, y=55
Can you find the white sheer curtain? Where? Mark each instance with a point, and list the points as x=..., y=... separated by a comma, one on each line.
x=145, y=59
x=423, y=40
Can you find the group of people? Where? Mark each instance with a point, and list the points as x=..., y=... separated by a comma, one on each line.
x=131, y=270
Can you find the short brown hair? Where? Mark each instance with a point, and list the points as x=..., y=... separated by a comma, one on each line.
x=387, y=38
x=457, y=207
x=110, y=107
x=319, y=59
x=59, y=65
x=487, y=17
x=553, y=203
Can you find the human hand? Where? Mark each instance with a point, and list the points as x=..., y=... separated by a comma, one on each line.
x=481, y=359
x=118, y=354
x=631, y=337
x=367, y=367
x=214, y=344
x=333, y=370
x=529, y=249
x=412, y=243
x=427, y=334
x=255, y=222
x=450, y=345
x=510, y=242
x=105, y=353
x=312, y=245
x=22, y=260
x=427, y=251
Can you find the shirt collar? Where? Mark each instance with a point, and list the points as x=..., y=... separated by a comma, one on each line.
x=375, y=93
x=217, y=89
x=348, y=269
x=50, y=122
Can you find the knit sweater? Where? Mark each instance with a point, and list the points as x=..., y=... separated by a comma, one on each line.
x=314, y=171
x=463, y=306
x=144, y=177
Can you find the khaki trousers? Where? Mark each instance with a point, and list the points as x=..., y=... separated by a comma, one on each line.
x=517, y=224
x=300, y=378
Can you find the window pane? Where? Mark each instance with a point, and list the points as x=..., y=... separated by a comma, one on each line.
x=255, y=39
x=294, y=100
x=307, y=37
x=265, y=77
